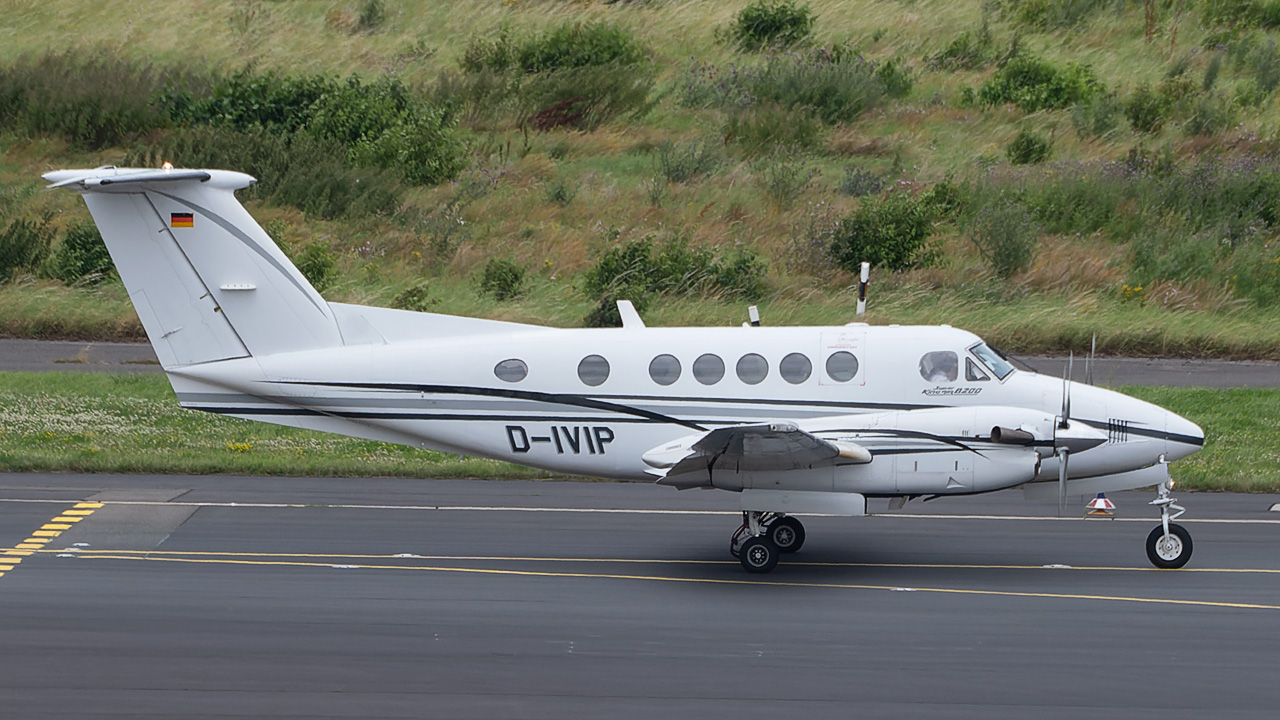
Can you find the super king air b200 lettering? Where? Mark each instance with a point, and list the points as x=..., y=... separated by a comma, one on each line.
x=793, y=420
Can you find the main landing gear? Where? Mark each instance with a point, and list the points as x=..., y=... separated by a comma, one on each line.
x=1169, y=544
x=764, y=537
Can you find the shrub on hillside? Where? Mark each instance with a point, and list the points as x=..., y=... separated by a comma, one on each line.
x=1145, y=109
x=771, y=23
x=1006, y=237
x=891, y=232
x=1211, y=114
x=1163, y=254
x=1097, y=116
x=1245, y=13
x=758, y=129
x=835, y=85
x=687, y=159
x=1057, y=14
x=637, y=269
x=417, y=298
x=245, y=100
x=372, y=14
x=584, y=98
x=1254, y=272
x=576, y=75
x=92, y=99
x=377, y=124
x=575, y=45
x=81, y=255
x=24, y=245
x=503, y=279
x=1237, y=196
x=569, y=45
x=783, y=174
x=318, y=264
x=970, y=50
x=309, y=174
x=1028, y=148
x=858, y=182
x=1034, y=84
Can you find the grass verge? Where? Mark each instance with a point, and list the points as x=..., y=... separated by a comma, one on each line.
x=91, y=422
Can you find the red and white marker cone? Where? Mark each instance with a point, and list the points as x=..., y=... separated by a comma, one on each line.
x=1101, y=506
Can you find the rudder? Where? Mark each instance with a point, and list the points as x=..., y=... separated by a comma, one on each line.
x=206, y=280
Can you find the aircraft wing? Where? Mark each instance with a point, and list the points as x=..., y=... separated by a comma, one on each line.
x=750, y=448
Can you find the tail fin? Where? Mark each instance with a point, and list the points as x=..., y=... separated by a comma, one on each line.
x=206, y=280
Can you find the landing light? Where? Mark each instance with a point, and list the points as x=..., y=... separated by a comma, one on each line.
x=167, y=166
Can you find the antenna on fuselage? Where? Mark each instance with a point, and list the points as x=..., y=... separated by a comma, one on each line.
x=753, y=313
x=862, y=288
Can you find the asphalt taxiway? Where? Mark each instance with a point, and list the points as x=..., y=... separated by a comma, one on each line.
x=70, y=355
x=156, y=596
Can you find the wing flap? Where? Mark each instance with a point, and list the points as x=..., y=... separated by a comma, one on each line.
x=749, y=448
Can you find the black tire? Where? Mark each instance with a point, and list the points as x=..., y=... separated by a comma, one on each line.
x=787, y=533
x=1170, y=553
x=758, y=555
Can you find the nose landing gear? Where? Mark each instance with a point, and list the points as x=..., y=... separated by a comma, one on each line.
x=1169, y=544
x=763, y=537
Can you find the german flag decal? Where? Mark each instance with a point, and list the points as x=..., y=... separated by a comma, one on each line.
x=181, y=220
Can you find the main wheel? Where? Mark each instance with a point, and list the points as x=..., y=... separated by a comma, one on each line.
x=787, y=533
x=1169, y=551
x=758, y=555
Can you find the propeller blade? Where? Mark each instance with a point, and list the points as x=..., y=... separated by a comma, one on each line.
x=1088, y=364
x=1062, y=480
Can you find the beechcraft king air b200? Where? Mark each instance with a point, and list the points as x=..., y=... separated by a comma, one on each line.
x=794, y=420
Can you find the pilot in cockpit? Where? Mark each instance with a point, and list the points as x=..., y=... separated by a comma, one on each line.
x=940, y=366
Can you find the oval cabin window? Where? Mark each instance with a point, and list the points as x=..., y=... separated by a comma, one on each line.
x=593, y=370
x=795, y=368
x=708, y=369
x=752, y=369
x=512, y=370
x=664, y=369
x=842, y=366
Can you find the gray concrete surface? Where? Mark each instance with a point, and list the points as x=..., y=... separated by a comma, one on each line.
x=231, y=597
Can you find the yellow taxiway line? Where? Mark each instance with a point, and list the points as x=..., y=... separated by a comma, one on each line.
x=241, y=559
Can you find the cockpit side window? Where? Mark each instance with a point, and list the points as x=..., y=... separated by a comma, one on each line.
x=939, y=366
x=974, y=373
x=993, y=359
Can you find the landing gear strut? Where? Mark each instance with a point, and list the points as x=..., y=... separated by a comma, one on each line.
x=1169, y=544
x=763, y=537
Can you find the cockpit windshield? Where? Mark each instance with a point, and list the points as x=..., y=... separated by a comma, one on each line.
x=992, y=359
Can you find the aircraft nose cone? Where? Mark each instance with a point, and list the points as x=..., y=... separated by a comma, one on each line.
x=1182, y=437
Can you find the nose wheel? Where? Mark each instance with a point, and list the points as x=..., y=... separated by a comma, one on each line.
x=1169, y=544
x=1169, y=550
x=763, y=537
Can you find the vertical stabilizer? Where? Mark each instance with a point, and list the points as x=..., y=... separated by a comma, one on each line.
x=206, y=280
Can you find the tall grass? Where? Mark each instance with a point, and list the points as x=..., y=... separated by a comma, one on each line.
x=566, y=147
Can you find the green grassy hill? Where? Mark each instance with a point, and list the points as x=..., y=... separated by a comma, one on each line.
x=1034, y=171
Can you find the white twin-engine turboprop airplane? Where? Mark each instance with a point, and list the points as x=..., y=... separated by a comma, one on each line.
x=793, y=419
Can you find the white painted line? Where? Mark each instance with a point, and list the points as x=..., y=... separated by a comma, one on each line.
x=637, y=511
